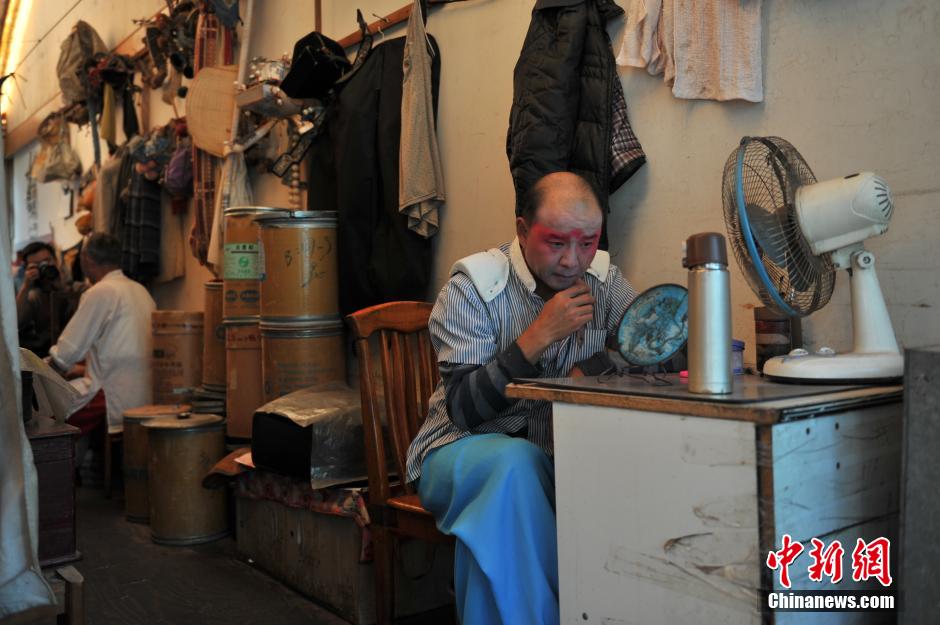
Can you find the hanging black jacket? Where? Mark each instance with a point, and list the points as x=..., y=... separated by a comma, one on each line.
x=353, y=168
x=568, y=110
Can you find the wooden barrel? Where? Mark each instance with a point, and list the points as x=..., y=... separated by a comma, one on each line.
x=213, y=339
x=137, y=457
x=243, y=376
x=298, y=355
x=182, y=450
x=242, y=262
x=177, y=355
x=300, y=273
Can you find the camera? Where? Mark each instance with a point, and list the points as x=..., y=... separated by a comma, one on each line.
x=48, y=271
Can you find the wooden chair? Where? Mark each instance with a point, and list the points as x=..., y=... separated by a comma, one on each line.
x=409, y=376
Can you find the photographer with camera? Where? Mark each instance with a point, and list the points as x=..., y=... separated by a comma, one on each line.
x=34, y=308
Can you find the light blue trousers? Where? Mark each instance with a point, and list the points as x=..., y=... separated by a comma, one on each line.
x=496, y=495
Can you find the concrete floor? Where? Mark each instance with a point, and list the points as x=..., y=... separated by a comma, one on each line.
x=129, y=580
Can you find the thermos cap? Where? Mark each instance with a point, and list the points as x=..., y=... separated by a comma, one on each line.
x=705, y=247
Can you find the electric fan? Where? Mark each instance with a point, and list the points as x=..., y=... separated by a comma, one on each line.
x=790, y=233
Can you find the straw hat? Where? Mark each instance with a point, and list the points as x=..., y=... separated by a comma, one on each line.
x=209, y=106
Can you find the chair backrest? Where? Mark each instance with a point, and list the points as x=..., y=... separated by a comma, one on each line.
x=409, y=376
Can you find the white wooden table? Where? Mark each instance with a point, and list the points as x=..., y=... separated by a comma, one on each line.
x=667, y=504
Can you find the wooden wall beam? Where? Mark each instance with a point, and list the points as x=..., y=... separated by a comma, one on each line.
x=395, y=17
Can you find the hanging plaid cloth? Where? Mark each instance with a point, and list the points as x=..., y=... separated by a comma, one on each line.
x=206, y=54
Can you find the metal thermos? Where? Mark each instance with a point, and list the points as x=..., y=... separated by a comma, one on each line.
x=709, y=314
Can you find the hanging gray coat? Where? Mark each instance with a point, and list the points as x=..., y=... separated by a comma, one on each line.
x=568, y=110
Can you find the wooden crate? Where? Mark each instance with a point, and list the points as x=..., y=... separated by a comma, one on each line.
x=318, y=555
x=668, y=506
x=835, y=477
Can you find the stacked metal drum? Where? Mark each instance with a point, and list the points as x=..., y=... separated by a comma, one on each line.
x=301, y=330
x=243, y=266
x=280, y=305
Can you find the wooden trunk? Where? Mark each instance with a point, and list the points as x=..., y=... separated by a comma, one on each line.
x=318, y=555
x=53, y=447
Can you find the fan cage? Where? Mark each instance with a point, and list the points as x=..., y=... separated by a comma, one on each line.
x=759, y=197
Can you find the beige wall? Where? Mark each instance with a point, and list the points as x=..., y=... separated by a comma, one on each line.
x=853, y=84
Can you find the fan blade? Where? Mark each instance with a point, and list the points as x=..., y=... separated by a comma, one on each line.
x=766, y=226
x=800, y=275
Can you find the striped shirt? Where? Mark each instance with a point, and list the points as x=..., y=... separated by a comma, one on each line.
x=478, y=356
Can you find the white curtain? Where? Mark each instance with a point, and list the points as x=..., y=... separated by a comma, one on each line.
x=22, y=586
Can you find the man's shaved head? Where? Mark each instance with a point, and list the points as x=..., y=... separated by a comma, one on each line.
x=561, y=186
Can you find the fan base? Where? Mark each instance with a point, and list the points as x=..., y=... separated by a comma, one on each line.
x=852, y=368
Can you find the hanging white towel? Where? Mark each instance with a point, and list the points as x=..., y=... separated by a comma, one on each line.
x=639, y=35
x=420, y=175
x=705, y=49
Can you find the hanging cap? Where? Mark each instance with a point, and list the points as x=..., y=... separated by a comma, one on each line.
x=705, y=247
x=317, y=63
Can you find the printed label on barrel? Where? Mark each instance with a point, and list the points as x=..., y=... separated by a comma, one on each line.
x=241, y=261
x=293, y=376
x=243, y=337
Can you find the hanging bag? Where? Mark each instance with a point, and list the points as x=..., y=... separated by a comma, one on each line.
x=77, y=53
x=57, y=160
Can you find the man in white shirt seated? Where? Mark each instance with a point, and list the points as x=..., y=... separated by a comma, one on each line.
x=111, y=332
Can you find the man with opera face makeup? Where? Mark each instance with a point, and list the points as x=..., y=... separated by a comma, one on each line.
x=542, y=305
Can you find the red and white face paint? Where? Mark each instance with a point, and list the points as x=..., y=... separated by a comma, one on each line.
x=558, y=256
x=560, y=242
